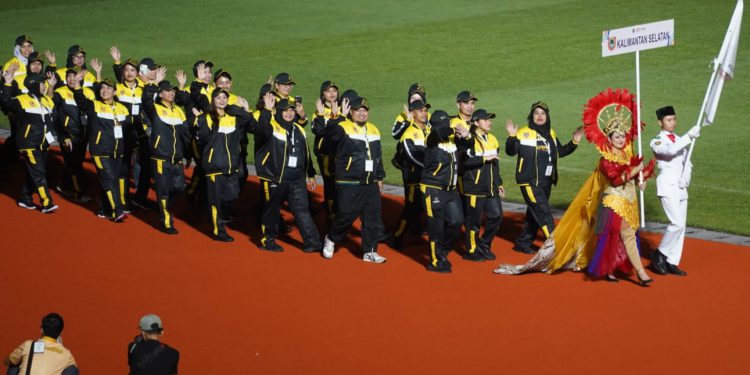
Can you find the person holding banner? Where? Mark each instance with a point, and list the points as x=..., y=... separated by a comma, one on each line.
x=671, y=153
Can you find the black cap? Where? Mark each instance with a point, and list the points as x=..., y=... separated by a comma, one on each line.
x=73, y=70
x=21, y=39
x=481, y=114
x=33, y=79
x=218, y=91
x=465, y=96
x=664, y=112
x=207, y=63
x=133, y=63
x=284, y=79
x=109, y=82
x=348, y=94
x=327, y=85
x=34, y=56
x=75, y=49
x=440, y=118
x=418, y=104
x=416, y=88
x=284, y=104
x=166, y=86
x=265, y=89
x=149, y=63
x=360, y=102
x=540, y=104
x=221, y=72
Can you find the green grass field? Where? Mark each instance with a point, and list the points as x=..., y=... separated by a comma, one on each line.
x=509, y=53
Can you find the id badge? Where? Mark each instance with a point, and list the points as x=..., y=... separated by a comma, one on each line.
x=369, y=166
x=292, y=162
x=548, y=172
x=118, y=132
x=38, y=347
x=50, y=137
x=136, y=110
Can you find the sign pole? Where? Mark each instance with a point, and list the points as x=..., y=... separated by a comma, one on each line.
x=638, y=122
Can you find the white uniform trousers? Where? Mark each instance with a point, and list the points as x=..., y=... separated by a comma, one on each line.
x=674, y=237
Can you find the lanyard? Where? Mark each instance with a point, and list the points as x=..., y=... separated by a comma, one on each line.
x=43, y=110
x=114, y=114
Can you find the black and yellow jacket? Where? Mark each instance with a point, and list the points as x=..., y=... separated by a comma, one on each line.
x=480, y=178
x=527, y=144
x=34, y=118
x=322, y=149
x=411, y=152
x=273, y=149
x=219, y=141
x=356, y=147
x=71, y=121
x=104, y=119
x=170, y=133
x=440, y=164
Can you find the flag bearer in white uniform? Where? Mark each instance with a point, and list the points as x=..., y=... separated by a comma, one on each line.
x=671, y=151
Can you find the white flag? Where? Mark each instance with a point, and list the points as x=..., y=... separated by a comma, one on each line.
x=723, y=64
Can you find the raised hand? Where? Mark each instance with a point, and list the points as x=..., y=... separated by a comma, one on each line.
x=52, y=79
x=181, y=78
x=242, y=102
x=269, y=101
x=319, y=106
x=345, y=107
x=97, y=65
x=76, y=84
x=115, y=53
x=8, y=76
x=409, y=115
x=578, y=134
x=197, y=112
x=511, y=128
x=462, y=131
x=12, y=69
x=160, y=74
x=51, y=60
x=300, y=109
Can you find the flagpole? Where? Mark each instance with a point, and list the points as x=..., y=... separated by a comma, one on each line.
x=638, y=122
x=701, y=115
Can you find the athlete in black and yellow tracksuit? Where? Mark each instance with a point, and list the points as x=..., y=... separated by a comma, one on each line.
x=359, y=176
x=283, y=163
x=411, y=148
x=71, y=124
x=106, y=121
x=219, y=135
x=323, y=151
x=482, y=188
x=136, y=142
x=439, y=186
x=35, y=114
x=170, y=137
x=538, y=149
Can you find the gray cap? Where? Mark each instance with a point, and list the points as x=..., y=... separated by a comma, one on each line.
x=151, y=323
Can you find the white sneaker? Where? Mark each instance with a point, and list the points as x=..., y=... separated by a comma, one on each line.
x=28, y=206
x=49, y=209
x=328, y=247
x=373, y=257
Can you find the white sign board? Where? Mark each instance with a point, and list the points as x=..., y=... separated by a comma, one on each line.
x=637, y=38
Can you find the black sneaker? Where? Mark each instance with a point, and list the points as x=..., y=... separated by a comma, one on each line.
x=121, y=217
x=272, y=246
x=49, y=209
x=484, y=249
x=26, y=205
x=474, y=257
x=101, y=214
x=395, y=243
x=440, y=268
x=313, y=248
x=170, y=230
x=223, y=237
x=523, y=249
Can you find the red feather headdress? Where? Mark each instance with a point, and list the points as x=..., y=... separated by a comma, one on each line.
x=607, y=112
